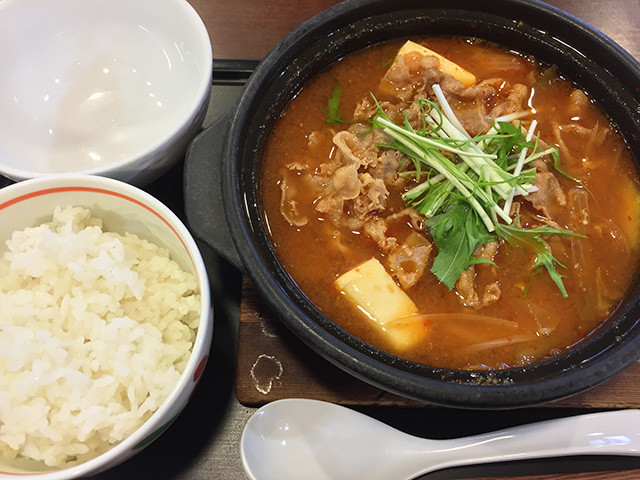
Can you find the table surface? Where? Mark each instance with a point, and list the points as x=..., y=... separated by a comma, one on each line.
x=204, y=441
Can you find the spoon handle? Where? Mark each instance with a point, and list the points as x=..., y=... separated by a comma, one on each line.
x=605, y=433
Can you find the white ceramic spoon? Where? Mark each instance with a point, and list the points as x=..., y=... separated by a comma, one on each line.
x=296, y=438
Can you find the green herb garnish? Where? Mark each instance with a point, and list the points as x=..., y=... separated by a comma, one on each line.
x=467, y=186
x=457, y=232
x=386, y=64
x=532, y=239
x=548, y=77
x=332, y=113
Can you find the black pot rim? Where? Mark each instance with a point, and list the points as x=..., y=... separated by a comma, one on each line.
x=444, y=387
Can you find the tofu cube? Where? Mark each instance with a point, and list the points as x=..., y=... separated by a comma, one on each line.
x=383, y=303
x=446, y=66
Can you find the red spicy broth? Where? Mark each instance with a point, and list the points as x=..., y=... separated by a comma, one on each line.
x=511, y=314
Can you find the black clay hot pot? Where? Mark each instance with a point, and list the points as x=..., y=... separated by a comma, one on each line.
x=223, y=198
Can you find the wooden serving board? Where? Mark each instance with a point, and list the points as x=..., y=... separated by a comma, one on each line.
x=274, y=364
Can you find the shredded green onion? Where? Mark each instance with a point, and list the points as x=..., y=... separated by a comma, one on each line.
x=470, y=185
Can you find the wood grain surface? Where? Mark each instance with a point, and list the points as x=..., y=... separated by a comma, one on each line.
x=249, y=29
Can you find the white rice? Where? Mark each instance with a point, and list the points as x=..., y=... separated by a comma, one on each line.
x=95, y=330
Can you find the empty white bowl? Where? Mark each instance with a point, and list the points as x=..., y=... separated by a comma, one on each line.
x=108, y=87
x=122, y=208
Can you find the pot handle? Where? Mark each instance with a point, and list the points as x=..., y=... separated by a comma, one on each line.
x=203, y=202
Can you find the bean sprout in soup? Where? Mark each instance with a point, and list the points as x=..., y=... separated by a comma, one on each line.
x=453, y=203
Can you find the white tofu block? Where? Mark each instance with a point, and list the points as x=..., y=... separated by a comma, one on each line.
x=446, y=66
x=384, y=304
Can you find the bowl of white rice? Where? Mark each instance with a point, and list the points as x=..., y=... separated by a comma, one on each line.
x=105, y=324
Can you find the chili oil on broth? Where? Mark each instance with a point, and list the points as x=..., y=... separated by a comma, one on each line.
x=531, y=320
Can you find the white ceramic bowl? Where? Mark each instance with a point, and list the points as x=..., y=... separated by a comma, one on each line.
x=108, y=87
x=122, y=207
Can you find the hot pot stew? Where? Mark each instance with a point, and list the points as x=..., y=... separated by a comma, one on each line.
x=453, y=203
